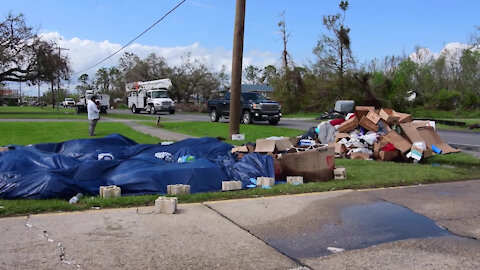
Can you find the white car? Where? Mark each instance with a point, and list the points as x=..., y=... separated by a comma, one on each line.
x=68, y=102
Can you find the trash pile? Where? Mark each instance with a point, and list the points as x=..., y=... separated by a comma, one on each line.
x=70, y=168
x=380, y=134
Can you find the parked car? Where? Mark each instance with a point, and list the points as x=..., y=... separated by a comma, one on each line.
x=68, y=102
x=255, y=106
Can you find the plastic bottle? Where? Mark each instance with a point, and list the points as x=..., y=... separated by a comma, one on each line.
x=75, y=198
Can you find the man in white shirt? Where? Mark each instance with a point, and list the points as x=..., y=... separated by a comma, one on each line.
x=93, y=115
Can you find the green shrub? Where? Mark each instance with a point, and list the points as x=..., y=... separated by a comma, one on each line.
x=447, y=99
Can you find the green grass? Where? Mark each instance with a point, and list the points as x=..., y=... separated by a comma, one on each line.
x=24, y=133
x=455, y=114
x=359, y=176
x=209, y=129
x=310, y=115
x=39, y=113
x=131, y=116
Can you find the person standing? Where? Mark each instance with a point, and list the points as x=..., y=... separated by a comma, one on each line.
x=93, y=115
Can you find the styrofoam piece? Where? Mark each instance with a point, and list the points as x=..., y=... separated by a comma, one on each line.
x=166, y=205
x=340, y=173
x=231, y=185
x=238, y=137
x=295, y=180
x=178, y=189
x=265, y=181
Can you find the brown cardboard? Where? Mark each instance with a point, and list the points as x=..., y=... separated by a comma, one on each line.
x=398, y=141
x=430, y=136
x=388, y=155
x=404, y=117
x=372, y=116
x=376, y=150
x=389, y=115
x=316, y=165
x=348, y=125
x=366, y=123
x=239, y=149
x=339, y=136
x=340, y=148
x=427, y=153
x=410, y=130
x=359, y=155
x=361, y=111
x=271, y=146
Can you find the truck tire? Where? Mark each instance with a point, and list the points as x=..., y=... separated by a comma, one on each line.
x=151, y=110
x=171, y=111
x=273, y=122
x=214, y=116
x=134, y=109
x=246, y=117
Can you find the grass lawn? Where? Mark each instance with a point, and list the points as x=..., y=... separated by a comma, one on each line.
x=24, y=133
x=452, y=115
x=209, y=129
x=360, y=174
x=39, y=113
x=302, y=115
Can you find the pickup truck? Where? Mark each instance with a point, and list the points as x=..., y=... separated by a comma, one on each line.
x=68, y=102
x=255, y=106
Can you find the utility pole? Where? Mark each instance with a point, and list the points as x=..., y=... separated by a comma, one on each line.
x=237, y=55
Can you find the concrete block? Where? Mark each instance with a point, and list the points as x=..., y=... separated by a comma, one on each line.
x=166, y=205
x=178, y=189
x=110, y=191
x=340, y=173
x=231, y=185
x=265, y=181
x=295, y=180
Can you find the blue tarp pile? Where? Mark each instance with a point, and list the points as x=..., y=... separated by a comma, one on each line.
x=60, y=170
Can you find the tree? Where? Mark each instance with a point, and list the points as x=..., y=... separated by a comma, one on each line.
x=333, y=51
x=253, y=74
x=25, y=57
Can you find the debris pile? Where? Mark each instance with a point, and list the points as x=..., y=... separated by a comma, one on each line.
x=380, y=134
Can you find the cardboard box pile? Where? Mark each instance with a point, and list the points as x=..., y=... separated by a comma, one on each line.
x=387, y=135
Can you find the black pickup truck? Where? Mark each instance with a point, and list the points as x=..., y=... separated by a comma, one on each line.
x=255, y=106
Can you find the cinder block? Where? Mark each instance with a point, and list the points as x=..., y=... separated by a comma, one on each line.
x=178, y=189
x=265, y=181
x=340, y=173
x=166, y=205
x=110, y=191
x=295, y=180
x=231, y=185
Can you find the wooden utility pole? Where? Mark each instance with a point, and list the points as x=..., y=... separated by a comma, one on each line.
x=235, y=88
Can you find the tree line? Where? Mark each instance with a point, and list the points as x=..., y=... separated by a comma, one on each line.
x=450, y=80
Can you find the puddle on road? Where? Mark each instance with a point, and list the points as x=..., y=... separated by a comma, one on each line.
x=359, y=227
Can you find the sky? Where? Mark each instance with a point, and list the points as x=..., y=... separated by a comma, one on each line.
x=92, y=30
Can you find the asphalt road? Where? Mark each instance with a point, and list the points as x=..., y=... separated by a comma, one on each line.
x=451, y=137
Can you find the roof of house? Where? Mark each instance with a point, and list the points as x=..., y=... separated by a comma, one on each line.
x=256, y=87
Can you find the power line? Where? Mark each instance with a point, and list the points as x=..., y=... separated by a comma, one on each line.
x=131, y=41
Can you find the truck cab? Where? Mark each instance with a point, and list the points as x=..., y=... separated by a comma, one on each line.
x=151, y=97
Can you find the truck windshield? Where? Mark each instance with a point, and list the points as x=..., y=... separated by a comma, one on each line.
x=159, y=94
x=255, y=97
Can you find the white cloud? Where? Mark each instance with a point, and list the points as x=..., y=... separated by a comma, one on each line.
x=452, y=52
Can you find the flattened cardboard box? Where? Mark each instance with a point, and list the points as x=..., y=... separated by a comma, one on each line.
x=404, y=117
x=432, y=138
x=315, y=166
x=348, y=125
x=398, y=141
x=270, y=146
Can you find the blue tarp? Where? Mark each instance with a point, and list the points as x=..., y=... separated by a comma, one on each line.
x=60, y=170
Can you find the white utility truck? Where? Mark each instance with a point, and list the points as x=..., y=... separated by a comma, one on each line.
x=151, y=96
x=82, y=101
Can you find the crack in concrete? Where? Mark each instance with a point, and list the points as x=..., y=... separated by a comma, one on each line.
x=295, y=260
x=59, y=245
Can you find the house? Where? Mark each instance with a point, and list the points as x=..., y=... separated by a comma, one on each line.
x=9, y=97
x=264, y=89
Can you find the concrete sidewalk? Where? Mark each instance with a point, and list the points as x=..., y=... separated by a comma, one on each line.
x=378, y=229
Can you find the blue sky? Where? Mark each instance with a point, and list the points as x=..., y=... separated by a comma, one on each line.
x=378, y=28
